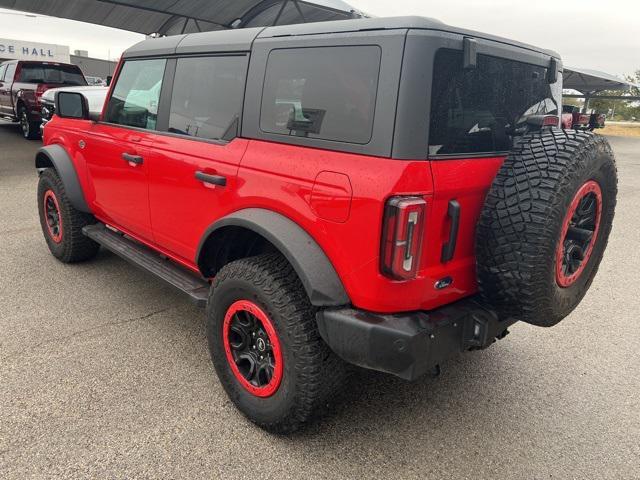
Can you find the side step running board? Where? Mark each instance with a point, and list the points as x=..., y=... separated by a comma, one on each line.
x=197, y=288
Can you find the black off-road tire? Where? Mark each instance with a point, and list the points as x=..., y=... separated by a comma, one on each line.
x=70, y=245
x=30, y=130
x=311, y=372
x=520, y=232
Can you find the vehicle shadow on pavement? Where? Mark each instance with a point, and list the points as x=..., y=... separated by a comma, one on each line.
x=469, y=395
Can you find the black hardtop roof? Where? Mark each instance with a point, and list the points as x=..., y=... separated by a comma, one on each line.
x=242, y=39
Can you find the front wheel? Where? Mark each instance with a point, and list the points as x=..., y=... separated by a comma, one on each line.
x=61, y=223
x=265, y=345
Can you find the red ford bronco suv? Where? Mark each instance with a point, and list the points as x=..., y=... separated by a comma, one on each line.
x=377, y=192
x=22, y=84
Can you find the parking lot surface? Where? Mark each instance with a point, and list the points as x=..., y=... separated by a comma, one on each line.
x=105, y=373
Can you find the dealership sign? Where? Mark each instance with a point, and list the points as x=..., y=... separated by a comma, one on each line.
x=22, y=50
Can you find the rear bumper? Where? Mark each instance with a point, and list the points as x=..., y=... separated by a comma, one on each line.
x=408, y=345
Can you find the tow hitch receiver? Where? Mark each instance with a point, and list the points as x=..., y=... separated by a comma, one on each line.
x=409, y=345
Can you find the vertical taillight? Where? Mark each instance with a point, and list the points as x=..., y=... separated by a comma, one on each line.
x=402, y=231
x=40, y=89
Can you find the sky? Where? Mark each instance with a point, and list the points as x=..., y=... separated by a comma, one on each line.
x=595, y=34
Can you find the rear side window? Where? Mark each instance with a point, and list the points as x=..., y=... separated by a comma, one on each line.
x=3, y=68
x=477, y=110
x=136, y=95
x=50, y=73
x=207, y=97
x=327, y=93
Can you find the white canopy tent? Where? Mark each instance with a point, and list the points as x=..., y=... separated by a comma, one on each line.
x=172, y=17
x=593, y=81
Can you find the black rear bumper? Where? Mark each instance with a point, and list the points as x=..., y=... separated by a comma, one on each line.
x=408, y=345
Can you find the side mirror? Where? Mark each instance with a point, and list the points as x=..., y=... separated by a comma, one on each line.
x=109, y=78
x=72, y=105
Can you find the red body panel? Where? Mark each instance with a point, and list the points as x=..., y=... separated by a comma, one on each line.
x=338, y=198
x=182, y=207
x=121, y=189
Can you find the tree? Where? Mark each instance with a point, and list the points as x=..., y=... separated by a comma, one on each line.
x=635, y=78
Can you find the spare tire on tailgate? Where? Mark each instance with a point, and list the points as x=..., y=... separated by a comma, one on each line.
x=545, y=225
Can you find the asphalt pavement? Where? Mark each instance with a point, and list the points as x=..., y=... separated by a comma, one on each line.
x=105, y=373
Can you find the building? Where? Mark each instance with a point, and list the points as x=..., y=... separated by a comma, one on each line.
x=94, y=67
x=28, y=50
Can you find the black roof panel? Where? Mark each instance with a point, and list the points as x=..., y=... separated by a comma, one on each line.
x=221, y=41
x=388, y=23
x=241, y=39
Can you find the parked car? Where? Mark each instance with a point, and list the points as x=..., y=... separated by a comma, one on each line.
x=96, y=81
x=22, y=84
x=379, y=192
x=95, y=98
x=573, y=118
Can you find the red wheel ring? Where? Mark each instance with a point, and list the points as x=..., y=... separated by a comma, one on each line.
x=253, y=349
x=52, y=216
x=579, y=233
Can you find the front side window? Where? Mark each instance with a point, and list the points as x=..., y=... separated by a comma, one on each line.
x=479, y=110
x=327, y=93
x=2, y=70
x=136, y=95
x=10, y=73
x=207, y=97
x=51, y=73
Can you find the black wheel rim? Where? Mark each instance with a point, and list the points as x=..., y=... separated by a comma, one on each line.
x=252, y=348
x=52, y=216
x=579, y=232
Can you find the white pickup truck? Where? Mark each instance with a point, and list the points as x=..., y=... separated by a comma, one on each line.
x=95, y=95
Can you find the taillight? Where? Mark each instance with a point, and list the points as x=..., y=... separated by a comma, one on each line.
x=540, y=121
x=40, y=89
x=402, y=232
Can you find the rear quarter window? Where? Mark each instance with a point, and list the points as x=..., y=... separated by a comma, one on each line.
x=477, y=110
x=326, y=93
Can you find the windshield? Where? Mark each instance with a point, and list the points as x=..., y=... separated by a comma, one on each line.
x=476, y=110
x=52, y=74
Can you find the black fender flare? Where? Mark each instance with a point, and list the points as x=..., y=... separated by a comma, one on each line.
x=315, y=270
x=57, y=157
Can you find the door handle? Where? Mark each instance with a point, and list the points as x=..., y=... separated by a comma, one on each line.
x=212, y=179
x=135, y=159
x=449, y=248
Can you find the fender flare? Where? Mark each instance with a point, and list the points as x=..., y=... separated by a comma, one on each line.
x=315, y=270
x=57, y=156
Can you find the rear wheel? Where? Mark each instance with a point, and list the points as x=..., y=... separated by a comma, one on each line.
x=265, y=344
x=545, y=225
x=61, y=223
x=29, y=128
